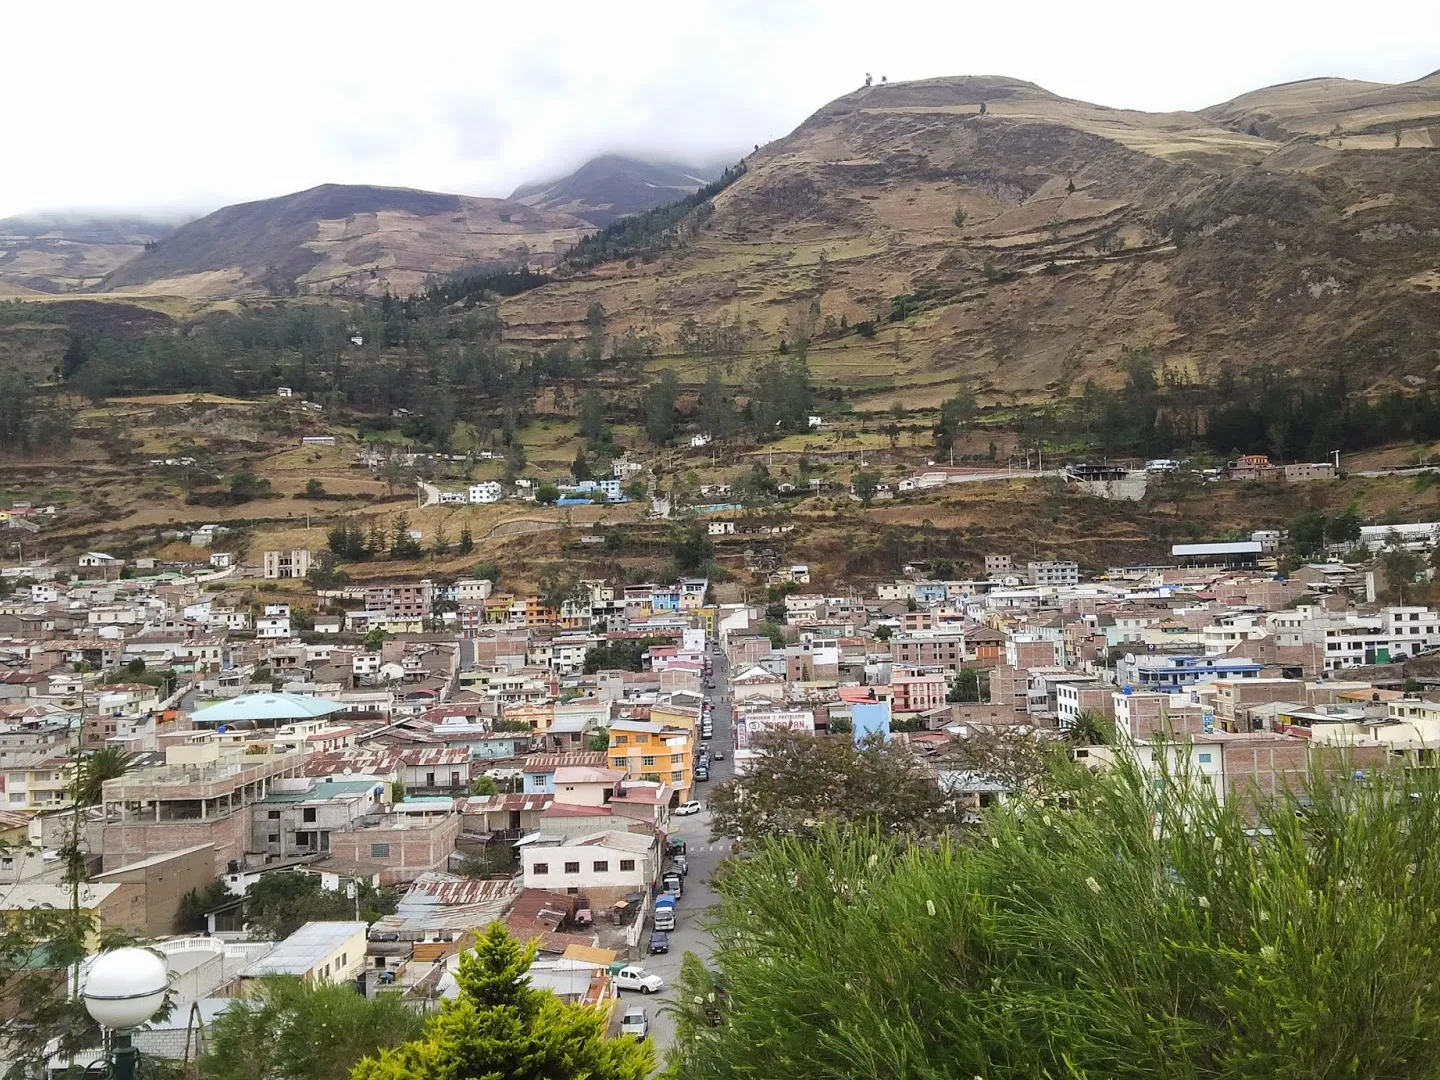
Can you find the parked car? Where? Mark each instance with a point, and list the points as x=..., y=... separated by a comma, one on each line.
x=635, y=1022
x=686, y=808
x=702, y=774
x=637, y=978
x=674, y=845
x=659, y=942
x=707, y=732
x=665, y=914
x=673, y=881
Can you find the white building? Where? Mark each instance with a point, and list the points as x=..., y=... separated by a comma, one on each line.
x=453, y=498
x=1054, y=572
x=272, y=627
x=319, y=952
x=292, y=563
x=472, y=590
x=699, y=441
x=623, y=468
x=603, y=860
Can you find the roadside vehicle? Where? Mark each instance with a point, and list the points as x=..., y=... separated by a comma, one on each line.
x=665, y=914
x=673, y=881
x=702, y=774
x=687, y=808
x=636, y=1021
x=637, y=978
x=659, y=942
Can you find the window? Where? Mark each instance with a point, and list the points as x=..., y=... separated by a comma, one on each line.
x=274, y=838
x=678, y=776
x=308, y=814
x=648, y=759
x=572, y=868
x=304, y=839
x=1205, y=759
x=540, y=868
x=620, y=740
x=379, y=851
x=7, y=863
x=273, y=815
x=618, y=762
x=602, y=866
x=627, y=865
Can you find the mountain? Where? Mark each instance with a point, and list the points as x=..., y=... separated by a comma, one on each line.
x=612, y=186
x=984, y=229
x=343, y=239
x=59, y=252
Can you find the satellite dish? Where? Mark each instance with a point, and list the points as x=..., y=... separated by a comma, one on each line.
x=346, y=771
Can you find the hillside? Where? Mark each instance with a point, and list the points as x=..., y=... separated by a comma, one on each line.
x=1083, y=231
x=342, y=239
x=48, y=253
x=612, y=186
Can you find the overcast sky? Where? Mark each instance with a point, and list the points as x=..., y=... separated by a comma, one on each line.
x=148, y=105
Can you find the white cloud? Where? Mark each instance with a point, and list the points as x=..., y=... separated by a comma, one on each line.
x=153, y=105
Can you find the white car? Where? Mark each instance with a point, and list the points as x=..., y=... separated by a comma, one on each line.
x=691, y=807
x=637, y=978
x=636, y=1021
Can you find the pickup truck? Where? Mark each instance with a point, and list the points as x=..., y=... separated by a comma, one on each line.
x=665, y=912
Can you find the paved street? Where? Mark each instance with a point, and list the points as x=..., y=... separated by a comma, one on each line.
x=704, y=855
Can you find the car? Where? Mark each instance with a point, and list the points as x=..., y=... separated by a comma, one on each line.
x=687, y=808
x=673, y=881
x=707, y=732
x=637, y=978
x=702, y=774
x=659, y=942
x=718, y=755
x=635, y=1022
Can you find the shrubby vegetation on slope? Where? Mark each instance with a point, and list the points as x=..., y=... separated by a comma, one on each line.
x=1136, y=934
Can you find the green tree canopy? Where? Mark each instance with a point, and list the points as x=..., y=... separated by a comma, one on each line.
x=108, y=763
x=800, y=781
x=866, y=484
x=499, y=1027
x=1142, y=933
x=659, y=407
x=279, y=904
x=292, y=1030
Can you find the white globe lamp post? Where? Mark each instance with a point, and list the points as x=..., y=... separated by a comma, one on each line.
x=125, y=988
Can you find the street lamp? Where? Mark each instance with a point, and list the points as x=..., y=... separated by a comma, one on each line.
x=125, y=988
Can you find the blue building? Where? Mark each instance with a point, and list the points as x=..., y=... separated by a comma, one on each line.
x=1168, y=674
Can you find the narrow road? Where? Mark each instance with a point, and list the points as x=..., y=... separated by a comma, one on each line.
x=704, y=855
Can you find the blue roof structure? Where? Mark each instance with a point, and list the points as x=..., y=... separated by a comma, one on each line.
x=266, y=708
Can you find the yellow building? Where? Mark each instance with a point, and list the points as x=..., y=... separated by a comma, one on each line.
x=677, y=716
x=646, y=750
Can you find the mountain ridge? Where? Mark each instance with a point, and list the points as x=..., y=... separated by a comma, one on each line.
x=350, y=239
x=612, y=186
x=994, y=233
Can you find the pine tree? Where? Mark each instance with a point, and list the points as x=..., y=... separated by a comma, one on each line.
x=467, y=540
x=502, y=1028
